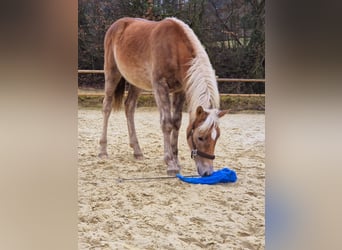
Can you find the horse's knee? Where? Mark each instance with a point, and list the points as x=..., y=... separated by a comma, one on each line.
x=176, y=121
x=176, y=124
x=166, y=126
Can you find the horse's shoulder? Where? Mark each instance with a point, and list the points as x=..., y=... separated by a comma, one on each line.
x=168, y=23
x=167, y=28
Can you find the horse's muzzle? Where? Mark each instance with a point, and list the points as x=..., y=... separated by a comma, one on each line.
x=205, y=171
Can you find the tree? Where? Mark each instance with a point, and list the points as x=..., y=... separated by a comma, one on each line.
x=232, y=32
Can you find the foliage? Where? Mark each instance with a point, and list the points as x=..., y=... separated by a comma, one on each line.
x=232, y=31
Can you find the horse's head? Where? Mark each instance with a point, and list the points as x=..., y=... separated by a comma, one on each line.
x=202, y=134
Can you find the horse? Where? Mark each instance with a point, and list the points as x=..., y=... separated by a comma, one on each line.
x=167, y=58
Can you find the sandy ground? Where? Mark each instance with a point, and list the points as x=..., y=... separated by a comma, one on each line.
x=169, y=214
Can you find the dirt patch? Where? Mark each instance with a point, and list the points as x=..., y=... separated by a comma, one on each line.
x=169, y=214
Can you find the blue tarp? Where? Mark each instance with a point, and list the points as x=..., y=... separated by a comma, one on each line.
x=223, y=175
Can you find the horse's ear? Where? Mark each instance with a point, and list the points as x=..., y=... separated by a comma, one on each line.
x=222, y=113
x=199, y=111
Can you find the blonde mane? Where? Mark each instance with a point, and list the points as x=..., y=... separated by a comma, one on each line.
x=201, y=84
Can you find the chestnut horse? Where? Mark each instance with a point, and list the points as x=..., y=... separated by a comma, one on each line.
x=167, y=58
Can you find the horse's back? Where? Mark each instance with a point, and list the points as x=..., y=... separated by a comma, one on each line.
x=144, y=50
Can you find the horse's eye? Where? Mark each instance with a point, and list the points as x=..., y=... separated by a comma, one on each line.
x=200, y=138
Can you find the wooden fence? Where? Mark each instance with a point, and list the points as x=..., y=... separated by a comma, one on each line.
x=101, y=71
x=98, y=93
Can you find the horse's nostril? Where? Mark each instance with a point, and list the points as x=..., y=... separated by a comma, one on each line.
x=206, y=173
x=209, y=171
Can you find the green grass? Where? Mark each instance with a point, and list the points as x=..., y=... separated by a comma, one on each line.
x=243, y=103
x=237, y=104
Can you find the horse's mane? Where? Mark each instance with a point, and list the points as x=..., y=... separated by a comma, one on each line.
x=201, y=84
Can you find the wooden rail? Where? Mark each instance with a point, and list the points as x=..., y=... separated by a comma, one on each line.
x=90, y=71
x=97, y=93
x=101, y=71
x=240, y=80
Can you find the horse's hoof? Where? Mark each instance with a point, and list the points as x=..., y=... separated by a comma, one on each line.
x=172, y=172
x=138, y=157
x=103, y=155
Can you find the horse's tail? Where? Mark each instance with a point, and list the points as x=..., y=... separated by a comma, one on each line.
x=119, y=94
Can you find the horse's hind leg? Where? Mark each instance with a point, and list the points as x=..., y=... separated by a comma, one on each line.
x=113, y=88
x=130, y=105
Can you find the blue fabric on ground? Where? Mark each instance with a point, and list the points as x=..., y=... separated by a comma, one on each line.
x=223, y=175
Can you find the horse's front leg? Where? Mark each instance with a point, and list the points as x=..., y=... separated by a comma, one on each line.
x=161, y=93
x=178, y=101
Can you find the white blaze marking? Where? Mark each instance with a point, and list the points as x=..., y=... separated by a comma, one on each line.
x=213, y=134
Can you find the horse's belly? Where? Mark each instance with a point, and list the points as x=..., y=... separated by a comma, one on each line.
x=138, y=76
x=140, y=79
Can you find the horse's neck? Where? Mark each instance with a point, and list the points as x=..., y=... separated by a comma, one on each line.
x=201, y=85
x=203, y=95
